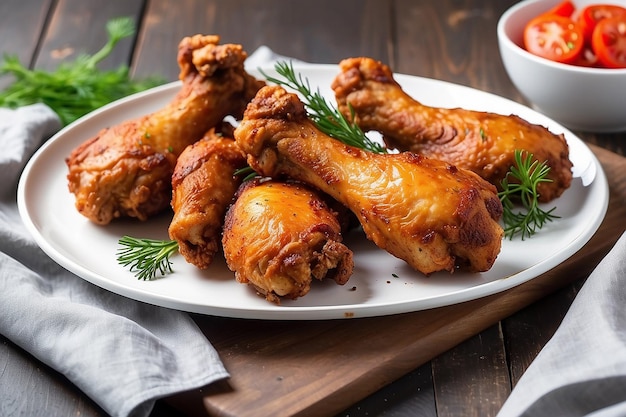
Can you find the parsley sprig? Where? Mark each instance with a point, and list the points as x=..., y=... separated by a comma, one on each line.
x=520, y=187
x=77, y=87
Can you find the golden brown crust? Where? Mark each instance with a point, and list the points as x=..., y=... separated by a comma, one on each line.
x=203, y=186
x=126, y=169
x=425, y=211
x=280, y=236
x=482, y=142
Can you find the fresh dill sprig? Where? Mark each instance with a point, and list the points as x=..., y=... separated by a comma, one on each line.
x=77, y=87
x=146, y=257
x=326, y=117
x=524, y=177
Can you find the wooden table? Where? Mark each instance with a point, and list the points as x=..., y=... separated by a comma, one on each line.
x=462, y=360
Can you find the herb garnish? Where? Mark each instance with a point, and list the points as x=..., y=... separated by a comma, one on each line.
x=247, y=172
x=525, y=176
x=78, y=87
x=326, y=117
x=146, y=257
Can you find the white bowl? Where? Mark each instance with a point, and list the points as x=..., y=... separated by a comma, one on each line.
x=586, y=99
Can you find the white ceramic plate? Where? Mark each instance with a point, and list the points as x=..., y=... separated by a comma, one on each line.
x=380, y=285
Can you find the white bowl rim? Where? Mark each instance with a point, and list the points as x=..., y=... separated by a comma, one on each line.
x=515, y=48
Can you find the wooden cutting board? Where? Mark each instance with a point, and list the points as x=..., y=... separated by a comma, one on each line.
x=286, y=368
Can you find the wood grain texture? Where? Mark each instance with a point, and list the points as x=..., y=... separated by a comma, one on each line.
x=477, y=368
x=30, y=388
x=412, y=395
x=26, y=21
x=528, y=330
x=341, y=29
x=452, y=41
x=78, y=27
x=614, y=142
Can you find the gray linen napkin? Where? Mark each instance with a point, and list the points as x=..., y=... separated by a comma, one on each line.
x=121, y=353
x=581, y=371
x=264, y=56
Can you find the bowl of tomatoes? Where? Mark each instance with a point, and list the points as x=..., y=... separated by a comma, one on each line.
x=568, y=59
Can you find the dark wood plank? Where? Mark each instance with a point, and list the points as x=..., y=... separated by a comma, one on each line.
x=78, y=26
x=459, y=44
x=24, y=21
x=614, y=142
x=472, y=379
x=411, y=395
x=527, y=331
x=30, y=388
x=344, y=29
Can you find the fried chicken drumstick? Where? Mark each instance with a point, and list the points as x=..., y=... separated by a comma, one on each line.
x=126, y=169
x=279, y=236
x=203, y=186
x=427, y=212
x=482, y=142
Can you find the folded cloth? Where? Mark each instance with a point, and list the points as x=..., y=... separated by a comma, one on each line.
x=122, y=353
x=264, y=56
x=581, y=371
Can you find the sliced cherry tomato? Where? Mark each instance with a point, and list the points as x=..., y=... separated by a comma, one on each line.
x=590, y=15
x=554, y=37
x=587, y=58
x=565, y=9
x=609, y=41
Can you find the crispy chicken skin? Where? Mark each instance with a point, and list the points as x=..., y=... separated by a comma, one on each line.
x=479, y=141
x=203, y=186
x=279, y=236
x=427, y=212
x=125, y=170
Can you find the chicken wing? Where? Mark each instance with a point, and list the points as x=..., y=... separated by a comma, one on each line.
x=125, y=170
x=203, y=186
x=425, y=211
x=482, y=142
x=279, y=236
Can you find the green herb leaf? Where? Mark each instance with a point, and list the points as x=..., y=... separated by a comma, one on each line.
x=247, y=172
x=520, y=186
x=326, y=117
x=78, y=87
x=146, y=257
